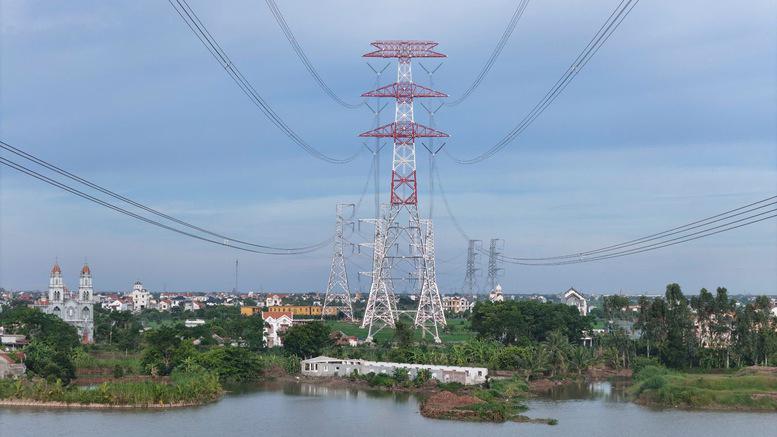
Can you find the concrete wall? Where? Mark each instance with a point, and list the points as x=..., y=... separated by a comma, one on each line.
x=323, y=366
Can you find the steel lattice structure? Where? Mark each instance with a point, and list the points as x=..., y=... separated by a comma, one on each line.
x=470, y=277
x=401, y=250
x=338, y=293
x=494, y=253
x=430, y=315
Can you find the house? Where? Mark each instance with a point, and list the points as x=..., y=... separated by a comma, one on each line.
x=574, y=298
x=12, y=341
x=455, y=304
x=9, y=368
x=325, y=366
x=275, y=324
x=341, y=339
x=141, y=298
x=496, y=294
x=273, y=300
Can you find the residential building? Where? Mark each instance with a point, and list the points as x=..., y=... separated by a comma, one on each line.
x=455, y=304
x=275, y=324
x=9, y=368
x=141, y=298
x=574, y=298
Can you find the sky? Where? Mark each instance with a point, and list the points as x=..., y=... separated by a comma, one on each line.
x=673, y=120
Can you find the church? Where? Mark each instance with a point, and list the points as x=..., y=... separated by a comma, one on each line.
x=76, y=309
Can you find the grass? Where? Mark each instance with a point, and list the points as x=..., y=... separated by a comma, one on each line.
x=185, y=388
x=457, y=331
x=659, y=386
x=129, y=363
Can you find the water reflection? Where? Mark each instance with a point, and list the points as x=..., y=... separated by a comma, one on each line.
x=610, y=391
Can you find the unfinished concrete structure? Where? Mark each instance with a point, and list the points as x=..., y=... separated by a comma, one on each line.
x=326, y=366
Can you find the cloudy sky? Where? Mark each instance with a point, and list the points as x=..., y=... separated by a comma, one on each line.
x=673, y=120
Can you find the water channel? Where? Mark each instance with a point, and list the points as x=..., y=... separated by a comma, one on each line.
x=595, y=409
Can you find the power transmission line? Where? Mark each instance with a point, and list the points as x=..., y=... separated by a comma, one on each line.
x=224, y=242
x=726, y=215
x=69, y=175
x=638, y=245
x=602, y=35
x=276, y=12
x=494, y=55
x=661, y=244
x=194, y=23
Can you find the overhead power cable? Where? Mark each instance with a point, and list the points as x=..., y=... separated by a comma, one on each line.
x=225, y=241
x=494, y=55
x=276, y=12
x=703, y=223
x=746, y=221
x=745, y=215
x=194, y=23
x=602, y=35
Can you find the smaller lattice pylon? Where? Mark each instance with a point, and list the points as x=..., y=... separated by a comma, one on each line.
x=470, y=277
x=338, y=293
x=494, y=253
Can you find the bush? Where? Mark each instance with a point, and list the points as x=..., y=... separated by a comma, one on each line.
x=639, y=363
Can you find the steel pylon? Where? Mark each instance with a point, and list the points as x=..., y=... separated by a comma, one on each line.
x=494, y=271
x=338, y=293
x=430, y=315
x=470, y=277
x=400, y=248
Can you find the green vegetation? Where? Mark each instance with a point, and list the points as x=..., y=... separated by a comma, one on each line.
x=458, y=330
x=751, y=390
x=52, y=342
x=307, y=340
x=726, y=335
x=522, y=322
x=194, y=385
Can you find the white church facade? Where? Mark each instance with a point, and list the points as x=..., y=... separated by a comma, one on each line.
x=76, y=309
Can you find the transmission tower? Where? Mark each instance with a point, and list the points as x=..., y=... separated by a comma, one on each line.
x=338, y=294
x=400, y=252
x=430, y=315
x=494, y=252
x=473, y=257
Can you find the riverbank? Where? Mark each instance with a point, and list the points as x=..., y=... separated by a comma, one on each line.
x=183, y=389
x=750, y=389
x=26, y=403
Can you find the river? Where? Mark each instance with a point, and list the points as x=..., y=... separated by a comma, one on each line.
x=597, y=409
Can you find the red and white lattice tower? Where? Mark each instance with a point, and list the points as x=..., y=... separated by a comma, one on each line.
x=401, y=246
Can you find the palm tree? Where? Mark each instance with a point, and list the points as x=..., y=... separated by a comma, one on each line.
x=536, y=361
x=557, y=346
x=580, y=358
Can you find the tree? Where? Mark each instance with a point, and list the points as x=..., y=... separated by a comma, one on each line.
x=403, y=334
x=307, y=340
x=679, y=348
x=48, y=362
x=231, y=364
x=164, y=351
x=526, y=321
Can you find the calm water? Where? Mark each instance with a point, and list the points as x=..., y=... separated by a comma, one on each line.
x=306, y=410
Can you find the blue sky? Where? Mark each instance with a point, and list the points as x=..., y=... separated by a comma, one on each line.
x=673, y=120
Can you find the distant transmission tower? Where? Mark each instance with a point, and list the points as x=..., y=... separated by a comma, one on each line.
x=400, y=251
x=338, y=294
x=473, y=256
x=494, y=271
